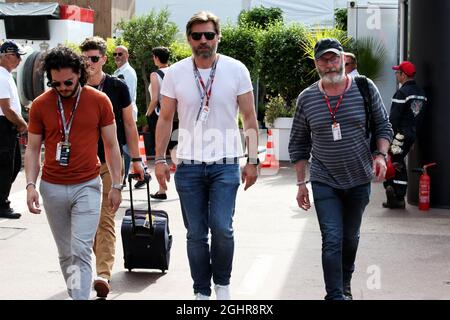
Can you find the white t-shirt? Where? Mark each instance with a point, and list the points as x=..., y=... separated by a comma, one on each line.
x=8, y=90
x=130, y=78
x=219, y=136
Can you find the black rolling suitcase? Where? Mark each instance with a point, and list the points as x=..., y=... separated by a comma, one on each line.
x=145, y=245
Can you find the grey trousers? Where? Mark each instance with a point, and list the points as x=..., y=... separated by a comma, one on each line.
x=73, y=212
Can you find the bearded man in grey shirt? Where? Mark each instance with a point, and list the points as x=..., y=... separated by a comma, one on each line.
x=330, y=126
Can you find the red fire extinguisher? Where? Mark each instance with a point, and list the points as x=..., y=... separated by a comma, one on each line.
x=424, y=188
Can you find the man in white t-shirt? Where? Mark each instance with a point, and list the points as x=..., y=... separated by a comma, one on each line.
x=11, y=123
x=208, y=90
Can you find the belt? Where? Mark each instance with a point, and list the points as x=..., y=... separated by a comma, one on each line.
x=234, y=160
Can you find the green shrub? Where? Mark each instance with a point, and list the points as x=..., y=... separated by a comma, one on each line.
x=143, y=33
x=260, y=17
x=241, y=43
x=179, y=51
x=276, y=108
x=340, y=18
x=283, y=65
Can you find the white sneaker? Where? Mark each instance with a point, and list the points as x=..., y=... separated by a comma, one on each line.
x=199, y=296
x=222, y=292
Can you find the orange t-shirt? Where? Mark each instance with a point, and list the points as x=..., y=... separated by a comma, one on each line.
x=94, y=112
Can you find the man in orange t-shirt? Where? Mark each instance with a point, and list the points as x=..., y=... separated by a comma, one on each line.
x=69, y=120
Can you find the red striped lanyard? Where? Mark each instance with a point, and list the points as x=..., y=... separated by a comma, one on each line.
x=208, y=87
x=341, y=97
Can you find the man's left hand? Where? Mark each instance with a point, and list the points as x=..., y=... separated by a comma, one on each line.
x=249, y=175
x=115, y=198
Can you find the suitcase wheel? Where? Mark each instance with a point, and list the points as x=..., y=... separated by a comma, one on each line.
x=129, y=269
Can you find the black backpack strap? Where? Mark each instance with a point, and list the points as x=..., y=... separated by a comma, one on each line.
x=160, y=73
x=363, y=86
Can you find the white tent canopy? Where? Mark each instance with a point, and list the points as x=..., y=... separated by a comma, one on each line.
x=312, y=13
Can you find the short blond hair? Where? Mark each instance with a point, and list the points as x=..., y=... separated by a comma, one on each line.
x=203, y=17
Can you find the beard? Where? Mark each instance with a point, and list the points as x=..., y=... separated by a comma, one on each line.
x=204, y=51
x=332, y=75
x=66, y=94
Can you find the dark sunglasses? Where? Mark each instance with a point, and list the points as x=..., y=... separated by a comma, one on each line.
x=117, y=54
x=94, y=59
x=57, y=84
x=198, y=35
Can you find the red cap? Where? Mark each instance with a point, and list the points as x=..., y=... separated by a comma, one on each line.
x=406, y=67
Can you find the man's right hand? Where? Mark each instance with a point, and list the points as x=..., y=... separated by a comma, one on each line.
x=162, y=173
x=22, y=128
x=139, y=169
x=303, y=197
x=33, y=200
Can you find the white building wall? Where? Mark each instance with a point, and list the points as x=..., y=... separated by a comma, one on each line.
x=61, y=32
x=379, y=21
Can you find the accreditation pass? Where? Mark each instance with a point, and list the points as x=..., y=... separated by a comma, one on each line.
x=336, y=129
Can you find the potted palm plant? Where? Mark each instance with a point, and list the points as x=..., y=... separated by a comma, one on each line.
x=279, y=116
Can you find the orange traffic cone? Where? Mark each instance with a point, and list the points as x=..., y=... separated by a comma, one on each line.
x=142, y=153
x=270, y=161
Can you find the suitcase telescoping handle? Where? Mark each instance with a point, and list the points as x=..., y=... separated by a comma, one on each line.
x=147, y=182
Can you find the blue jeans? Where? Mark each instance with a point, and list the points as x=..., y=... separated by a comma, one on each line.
x=340, y=214
x=207, y=196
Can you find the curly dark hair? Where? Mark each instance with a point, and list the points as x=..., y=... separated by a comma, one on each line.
x=63, y=57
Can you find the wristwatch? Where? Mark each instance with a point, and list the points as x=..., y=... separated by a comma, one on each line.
x=379, y=153
x=117, y=186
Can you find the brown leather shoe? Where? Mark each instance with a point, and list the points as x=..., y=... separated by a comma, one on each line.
x=102, y=287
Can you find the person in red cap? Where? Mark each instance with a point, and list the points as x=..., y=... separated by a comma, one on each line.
x=406, y=111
